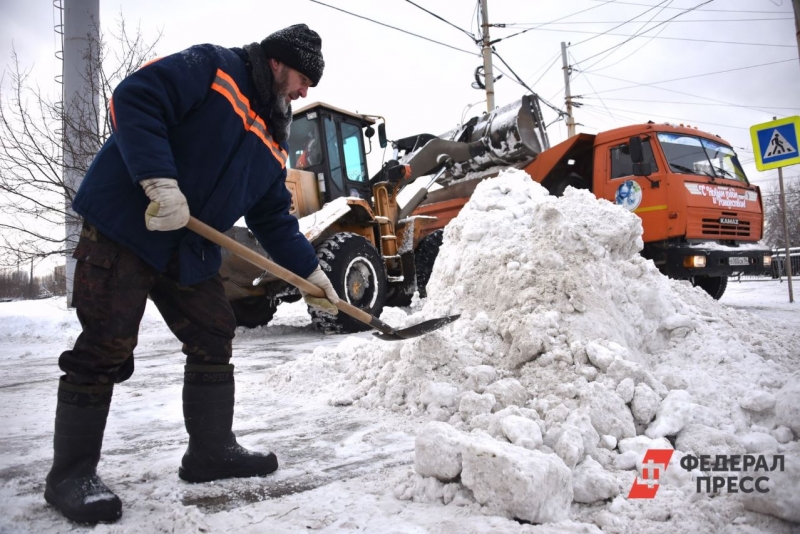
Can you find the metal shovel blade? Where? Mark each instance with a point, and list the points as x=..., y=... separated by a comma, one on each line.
x=417, y=330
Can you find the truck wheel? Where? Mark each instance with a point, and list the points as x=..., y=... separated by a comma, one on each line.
x=713, y=285
x=251, y=312
x=560, y=184
x=356, y=271
x=425, y=257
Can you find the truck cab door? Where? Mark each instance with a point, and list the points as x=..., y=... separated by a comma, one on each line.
x=644, y=195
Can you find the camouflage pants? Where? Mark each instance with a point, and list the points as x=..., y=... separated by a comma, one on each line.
x=110, y=292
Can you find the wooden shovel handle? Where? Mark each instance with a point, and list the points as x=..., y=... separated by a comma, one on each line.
x=284, y=274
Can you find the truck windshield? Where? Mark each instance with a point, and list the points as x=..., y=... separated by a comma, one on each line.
x=689, y=154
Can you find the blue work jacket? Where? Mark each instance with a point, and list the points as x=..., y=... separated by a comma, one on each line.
x=193, y=116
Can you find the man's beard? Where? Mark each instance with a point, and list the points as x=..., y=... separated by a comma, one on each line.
x=280, y=88
x=281, y=105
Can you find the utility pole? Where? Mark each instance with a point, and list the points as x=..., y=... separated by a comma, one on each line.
x=486, y=49
x=81, y=27
x=796, y=4
x=565, y=66
x=787, y=263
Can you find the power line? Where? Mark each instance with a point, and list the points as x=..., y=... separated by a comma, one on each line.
x=395, y=28
x=669, y=117
x=692, y=76
x=664, y=38
x=507, y=24
x=550, y=66
x=714, y=10
x=523, y=84
x=786, y=108
x=674, y=91
x=595, y=90
x=638, y=48
x=614, y=28
x=555, y=20
x=442, y=19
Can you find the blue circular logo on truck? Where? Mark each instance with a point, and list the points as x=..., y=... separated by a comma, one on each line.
x=629, y=195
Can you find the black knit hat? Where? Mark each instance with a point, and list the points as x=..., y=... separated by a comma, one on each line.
x=298, y=47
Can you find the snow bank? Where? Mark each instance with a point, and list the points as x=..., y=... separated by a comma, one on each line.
x=572, y=357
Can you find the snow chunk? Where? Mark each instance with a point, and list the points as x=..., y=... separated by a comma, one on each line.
x=600, y=356
x=644, y=404
x=783, y=499
x=674, y=413
x=757, y=401
x=782, y=434
x=640, y=445
x=759, y=443
x=569, y=445
x=521, y=431
x=787, y=404
x=474, y=404
x=702, y=439
x=592, y=483
x=510, y=479
x=441, y=393
x=608, y=412
x=437, y=451
x=625, y=390
x=507, y=392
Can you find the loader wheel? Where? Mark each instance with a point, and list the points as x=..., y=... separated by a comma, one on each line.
x=713, y=285
x=251, y=312
x=356, y=271
x=425, y=257
x=559, y=185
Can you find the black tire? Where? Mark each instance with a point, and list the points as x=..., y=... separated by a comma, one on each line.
x=251, y=312
x=356, y=271
x=713, y=285
x=558, y=185
x=397, y=297
x=425, y=257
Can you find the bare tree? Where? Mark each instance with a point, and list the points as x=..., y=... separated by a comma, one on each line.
x=773, y=234
x=33, y=193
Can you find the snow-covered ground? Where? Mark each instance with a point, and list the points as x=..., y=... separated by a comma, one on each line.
x=572, y=357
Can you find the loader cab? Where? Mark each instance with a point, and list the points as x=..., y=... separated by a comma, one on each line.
x=329, y=142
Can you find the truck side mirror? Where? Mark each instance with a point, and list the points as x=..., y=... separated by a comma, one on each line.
x=637, y=158
x=382, y=135
x=642, y=169
x=637, y=154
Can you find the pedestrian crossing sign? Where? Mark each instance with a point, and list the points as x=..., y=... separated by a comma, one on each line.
x=775, y=143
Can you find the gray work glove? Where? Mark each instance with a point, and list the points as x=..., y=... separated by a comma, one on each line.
x=321, y=280
x=168, y=209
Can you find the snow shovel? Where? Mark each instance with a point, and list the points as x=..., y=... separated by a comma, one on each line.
x=386, y=332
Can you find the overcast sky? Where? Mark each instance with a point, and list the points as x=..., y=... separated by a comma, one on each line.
x=423, y=86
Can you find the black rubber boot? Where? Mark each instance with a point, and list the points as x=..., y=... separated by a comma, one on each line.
x=72, y=484
x=208, y=396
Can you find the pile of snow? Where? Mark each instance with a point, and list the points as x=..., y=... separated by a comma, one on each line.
x=573, y=356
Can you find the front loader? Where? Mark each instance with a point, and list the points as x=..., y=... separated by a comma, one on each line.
x=374, y=251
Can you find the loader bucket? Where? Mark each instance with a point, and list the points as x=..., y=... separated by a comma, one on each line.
x=511, y=132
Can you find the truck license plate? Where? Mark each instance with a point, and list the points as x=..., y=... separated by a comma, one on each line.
x=739, y=260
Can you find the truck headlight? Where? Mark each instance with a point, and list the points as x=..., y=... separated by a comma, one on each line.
x=694, y=262
x=767, y=261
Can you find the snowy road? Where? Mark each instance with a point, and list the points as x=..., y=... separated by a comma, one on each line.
x=337, y=463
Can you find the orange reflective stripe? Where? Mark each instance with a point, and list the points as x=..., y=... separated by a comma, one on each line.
x=225, y=85
x=150, y=62
x=113, y=115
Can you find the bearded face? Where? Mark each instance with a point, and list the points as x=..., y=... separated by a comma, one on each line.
x=281, y=90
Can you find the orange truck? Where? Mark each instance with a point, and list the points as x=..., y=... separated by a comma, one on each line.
x=701, y=217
